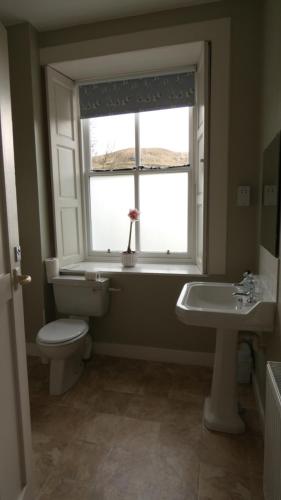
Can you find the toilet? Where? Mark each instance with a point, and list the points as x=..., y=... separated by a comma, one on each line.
x=65, y=342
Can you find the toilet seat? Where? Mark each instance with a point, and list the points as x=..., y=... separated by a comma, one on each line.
x=62, y=331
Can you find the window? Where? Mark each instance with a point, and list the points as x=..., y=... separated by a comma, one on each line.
x=140, y=160
x=208, y=157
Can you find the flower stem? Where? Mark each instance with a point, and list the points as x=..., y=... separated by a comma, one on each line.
x=129, y=242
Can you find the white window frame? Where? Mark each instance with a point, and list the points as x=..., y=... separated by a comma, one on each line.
x=143, y=257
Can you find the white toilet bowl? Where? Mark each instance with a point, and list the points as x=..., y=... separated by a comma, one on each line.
x=63, y=342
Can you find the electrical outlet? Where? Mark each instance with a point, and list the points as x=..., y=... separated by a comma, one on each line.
x=243, y=196
x=270, y=196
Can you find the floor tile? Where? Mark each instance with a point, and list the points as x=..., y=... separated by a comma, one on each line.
x=60, y=422
x=252, y=420
x=47, y=453
x=148, y=407
x=191, y=382
x=145, y=475
x=83, y=395
x=115, y=430
x=254, y=451
x=59, y=488
x=117, y=379
x=112, y=402
x=133, y=430
x=80, y=461
x=219, y=483
x=158, y=379
x=224, y=450
x=182, y=425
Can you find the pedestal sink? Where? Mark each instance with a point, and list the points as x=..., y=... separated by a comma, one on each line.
x=214, y=305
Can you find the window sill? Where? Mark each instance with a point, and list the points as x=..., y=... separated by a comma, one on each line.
x=109, y=268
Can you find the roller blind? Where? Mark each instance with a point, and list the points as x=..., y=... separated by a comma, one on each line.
x=137, y=95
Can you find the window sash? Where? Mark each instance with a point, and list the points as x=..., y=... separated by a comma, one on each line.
x=114, y=256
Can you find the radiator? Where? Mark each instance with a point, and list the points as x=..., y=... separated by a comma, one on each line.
x=272, y=438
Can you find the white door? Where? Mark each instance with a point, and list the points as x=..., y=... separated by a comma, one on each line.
x=15, y=436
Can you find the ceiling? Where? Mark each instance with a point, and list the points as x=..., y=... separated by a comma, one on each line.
x=54, y=14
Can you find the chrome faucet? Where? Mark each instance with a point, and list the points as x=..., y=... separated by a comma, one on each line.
x=247, y=287
x=245, y=277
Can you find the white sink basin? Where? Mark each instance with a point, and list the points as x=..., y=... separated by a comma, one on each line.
x=214, y=305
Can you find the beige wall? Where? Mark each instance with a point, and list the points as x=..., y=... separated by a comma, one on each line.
x=32, y=175
x=270, y=125
x=143, y=313
x=193, y=14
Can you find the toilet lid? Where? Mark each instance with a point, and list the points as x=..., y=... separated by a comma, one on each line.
x=62, y=330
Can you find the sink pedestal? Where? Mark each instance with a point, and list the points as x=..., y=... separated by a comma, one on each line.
x=221, y=408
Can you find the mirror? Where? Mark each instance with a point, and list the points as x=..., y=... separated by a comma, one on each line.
x=270, y=210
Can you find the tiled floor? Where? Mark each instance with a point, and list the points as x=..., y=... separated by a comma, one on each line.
x=132, y=430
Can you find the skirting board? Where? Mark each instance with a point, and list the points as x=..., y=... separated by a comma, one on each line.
x=143, y=352
x=155, y=354
x=258, y=399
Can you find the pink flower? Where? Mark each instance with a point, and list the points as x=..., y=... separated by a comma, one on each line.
x=134, y=217
x=134, y=214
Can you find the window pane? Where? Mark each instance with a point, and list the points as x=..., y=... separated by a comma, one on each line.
x=164, y=137
x=112, y=141
x=111, y=199
x=163, y=206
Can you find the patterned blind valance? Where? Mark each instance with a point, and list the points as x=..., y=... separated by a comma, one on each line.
x=136, y=95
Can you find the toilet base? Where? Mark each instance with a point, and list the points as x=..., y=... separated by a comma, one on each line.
x=64, y=373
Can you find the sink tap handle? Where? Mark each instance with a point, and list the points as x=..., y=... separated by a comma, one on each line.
x=245, y=294
x=240, y=284
x=245, y=279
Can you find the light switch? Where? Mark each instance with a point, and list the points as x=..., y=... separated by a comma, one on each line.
x=243, y=196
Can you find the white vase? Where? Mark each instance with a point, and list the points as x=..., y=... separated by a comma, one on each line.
x=128, y=259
